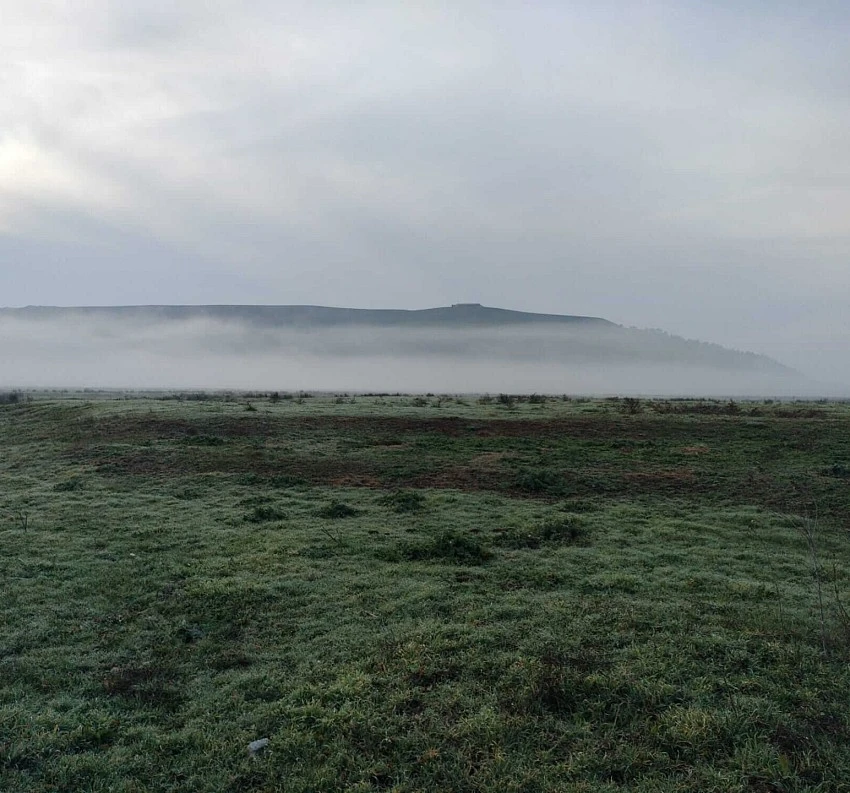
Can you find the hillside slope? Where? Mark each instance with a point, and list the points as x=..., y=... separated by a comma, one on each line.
x=461, y=314
x=459, y=331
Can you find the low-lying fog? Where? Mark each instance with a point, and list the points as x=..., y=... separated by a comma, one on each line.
x=92, y=353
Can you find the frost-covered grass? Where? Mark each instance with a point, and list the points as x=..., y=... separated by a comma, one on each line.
x=529, y=596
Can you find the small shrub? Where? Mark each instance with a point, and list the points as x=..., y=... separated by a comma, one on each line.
x=486, y=399
x=264, y=513
x=420, y=402
x=537, y=399
x=631, y=406
x=838, y=470
x=10, y=397
x=404, y=501
x=507, y=400
x=250, y=408
x=337, y=509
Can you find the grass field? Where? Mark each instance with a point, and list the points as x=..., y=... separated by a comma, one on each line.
x=424, y=594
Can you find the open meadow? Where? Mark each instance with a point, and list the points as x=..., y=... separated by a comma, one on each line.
x=423, y=593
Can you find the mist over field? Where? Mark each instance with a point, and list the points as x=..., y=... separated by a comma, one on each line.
x=674, y=165
x=421, y=214
x=91, y=352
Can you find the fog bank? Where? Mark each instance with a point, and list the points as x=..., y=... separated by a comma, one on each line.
x=83, y=352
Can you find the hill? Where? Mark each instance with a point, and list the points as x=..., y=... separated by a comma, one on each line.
x=458, y=315
x=461, y=331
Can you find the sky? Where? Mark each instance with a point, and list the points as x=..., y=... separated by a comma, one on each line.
x=676, y=165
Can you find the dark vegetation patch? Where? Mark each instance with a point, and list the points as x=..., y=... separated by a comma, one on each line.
x=558, y=682
x=337, y=509
x=603, y=426
x=70, y=485
x=203, y=440
x=263, y=513
x=450, y=547
x=229, y=658
x=555, y=531
x=282, y=481
x=154, y=686
x=579, y=505
x=541, y=481
x=728, y=458
x=404, y=501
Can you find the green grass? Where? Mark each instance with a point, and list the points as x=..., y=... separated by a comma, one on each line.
x=421, y=594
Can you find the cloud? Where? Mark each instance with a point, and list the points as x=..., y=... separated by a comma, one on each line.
x=535, y=120
x=673, y=164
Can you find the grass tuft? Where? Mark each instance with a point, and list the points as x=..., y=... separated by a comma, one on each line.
x=403, y=501
x=70, y=485
x=555, y=531
x=541, y=480
x=448, y=546
x=337, y=509
x=263, y=513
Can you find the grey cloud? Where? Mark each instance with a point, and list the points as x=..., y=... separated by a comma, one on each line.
x=681, y=165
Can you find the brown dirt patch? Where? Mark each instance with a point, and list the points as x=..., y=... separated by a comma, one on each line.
x=666, y=480
x=135, y=428
x=490, y=459
x=694, y=450
x=356, y=480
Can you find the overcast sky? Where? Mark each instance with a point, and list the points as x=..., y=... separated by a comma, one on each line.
x=682, y=165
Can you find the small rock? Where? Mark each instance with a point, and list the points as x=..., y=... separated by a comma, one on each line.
x=258, y=746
